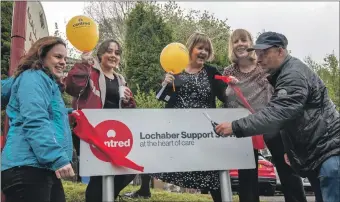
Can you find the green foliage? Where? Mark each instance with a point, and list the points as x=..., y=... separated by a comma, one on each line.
x=147, y=100
x=6, y=27
x=329, y=72
x=146, y=36
x=75, y=192
x=186, y=23
x=3, y=115
x=67, y=99
x=219, y=104
x=112, y=16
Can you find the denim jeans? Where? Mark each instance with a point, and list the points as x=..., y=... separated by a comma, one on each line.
x=329, y=177
x=28, y=184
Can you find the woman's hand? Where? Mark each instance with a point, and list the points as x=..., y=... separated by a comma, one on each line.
x=234, y=80
x=127, y=95
x=169, y=78
x=64, y=172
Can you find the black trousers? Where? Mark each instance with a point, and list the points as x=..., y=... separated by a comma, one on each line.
x=27, y=184
x=94, y=189
x=248, y=183
x=291, y=182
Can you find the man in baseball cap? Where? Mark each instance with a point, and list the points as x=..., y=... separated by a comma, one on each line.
x=268, y=40
x=301, y=110
x=271, y=49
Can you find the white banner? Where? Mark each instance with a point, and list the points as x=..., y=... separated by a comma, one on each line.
x=166, y=140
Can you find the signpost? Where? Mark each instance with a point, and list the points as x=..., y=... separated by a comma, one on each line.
x=165, y=140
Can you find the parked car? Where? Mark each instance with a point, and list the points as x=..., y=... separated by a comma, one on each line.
x=306, y=185
x=266, y=175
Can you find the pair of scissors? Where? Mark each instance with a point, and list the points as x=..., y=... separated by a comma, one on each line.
x=213, y=123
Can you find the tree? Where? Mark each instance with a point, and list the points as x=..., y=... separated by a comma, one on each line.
x=6, y=27
x=329, y=72
x=184, y=23
x=71, y=51
x=146, y=36
x=111, y=17
x=331, y=76
x=259, y=33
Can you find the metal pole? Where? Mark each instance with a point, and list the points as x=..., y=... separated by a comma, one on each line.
x=17, y=50
x=226, y=192
x=108, y=188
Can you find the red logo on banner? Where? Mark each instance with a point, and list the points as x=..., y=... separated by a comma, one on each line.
x=116, y=135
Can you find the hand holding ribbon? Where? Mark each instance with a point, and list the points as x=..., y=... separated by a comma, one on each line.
x=258, y=141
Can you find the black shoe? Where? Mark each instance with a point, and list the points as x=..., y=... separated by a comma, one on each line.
x=138, y=194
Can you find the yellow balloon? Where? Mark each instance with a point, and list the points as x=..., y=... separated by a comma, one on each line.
x=82, y=33
x=174, y=58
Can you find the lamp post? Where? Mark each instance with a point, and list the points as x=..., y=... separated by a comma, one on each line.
x=17, y=50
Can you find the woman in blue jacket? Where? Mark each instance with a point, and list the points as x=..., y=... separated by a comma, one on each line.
x=38, y=149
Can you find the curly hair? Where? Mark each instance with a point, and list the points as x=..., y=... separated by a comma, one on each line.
x=37, y=53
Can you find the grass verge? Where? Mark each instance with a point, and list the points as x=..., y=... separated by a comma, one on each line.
x=75, y=192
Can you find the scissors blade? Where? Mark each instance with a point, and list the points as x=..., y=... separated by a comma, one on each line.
x=206, y=115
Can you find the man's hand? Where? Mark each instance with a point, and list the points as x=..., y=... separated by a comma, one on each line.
x=286, y=159
x=224, y=129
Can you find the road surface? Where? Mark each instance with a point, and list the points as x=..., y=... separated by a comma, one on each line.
x=280, y=198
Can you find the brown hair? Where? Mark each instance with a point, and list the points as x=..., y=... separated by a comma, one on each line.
x=197, y=38
x=236, y=35
x=37, y=53
x=102, y=49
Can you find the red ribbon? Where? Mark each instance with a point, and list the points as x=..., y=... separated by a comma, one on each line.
x=85, y=131
x=258, y=142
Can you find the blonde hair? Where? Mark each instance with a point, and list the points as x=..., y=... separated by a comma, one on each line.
x=197, y=38
x=236, y=35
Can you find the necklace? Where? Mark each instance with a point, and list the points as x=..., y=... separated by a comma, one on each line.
x=110, y=79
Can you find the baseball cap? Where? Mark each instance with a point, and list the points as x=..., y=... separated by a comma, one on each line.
x=269, y=39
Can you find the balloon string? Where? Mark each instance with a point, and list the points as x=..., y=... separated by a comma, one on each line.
x=173, y=86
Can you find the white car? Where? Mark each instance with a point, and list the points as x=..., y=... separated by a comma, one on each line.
x=307, y=185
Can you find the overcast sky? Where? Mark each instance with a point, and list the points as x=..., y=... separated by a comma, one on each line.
x=312, y=28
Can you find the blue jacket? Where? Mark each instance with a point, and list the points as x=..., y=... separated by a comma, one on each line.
x=6, y=85
x=39, y=133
